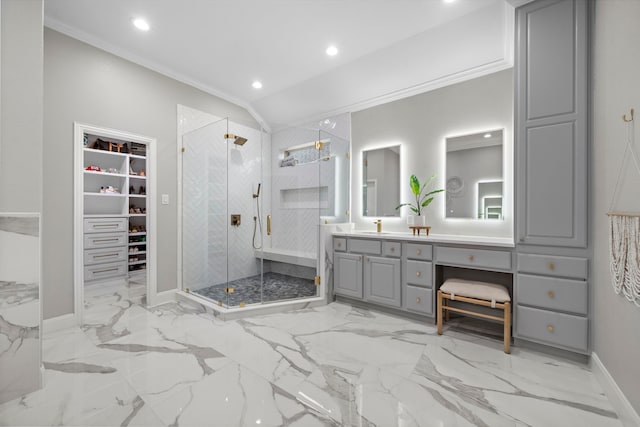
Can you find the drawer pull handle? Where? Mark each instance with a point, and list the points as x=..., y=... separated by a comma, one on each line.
x=550, y=328
x=339, y=244
x=418, y=273
x=418, y=251
x=105, y=271
x=368, y=259
x=418, y=300
x=105, y=225
x=551, y=266
x=104, y=240
x=105, y=256
x=470, y=257
x=393, y=249
x=551, y=294
x=359, y=258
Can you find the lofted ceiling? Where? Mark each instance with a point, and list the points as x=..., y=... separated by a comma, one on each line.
x=388, y=49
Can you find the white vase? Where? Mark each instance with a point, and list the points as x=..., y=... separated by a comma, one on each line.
x=417, y=221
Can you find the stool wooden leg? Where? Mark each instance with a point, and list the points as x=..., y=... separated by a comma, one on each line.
x=507, y=327
x=439, y=315
x=447, y=313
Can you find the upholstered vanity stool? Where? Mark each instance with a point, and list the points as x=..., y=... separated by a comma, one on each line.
x=478, y=293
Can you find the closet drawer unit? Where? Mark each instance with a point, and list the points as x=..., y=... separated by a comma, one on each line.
x=556, y=328
x=553, y=293
x=340, y=244
x=104, y=240
x=99, y=256
x=393, y=249
x=551, y=265
x=105, y=271
x=419, y=251
x=104, y=225
x=419, y=273
x=484, y=258
x=419, y=299
x=362, y=246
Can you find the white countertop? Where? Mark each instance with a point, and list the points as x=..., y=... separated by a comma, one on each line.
x=504, y=242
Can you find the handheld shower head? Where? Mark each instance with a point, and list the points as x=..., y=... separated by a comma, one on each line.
x=257, y=193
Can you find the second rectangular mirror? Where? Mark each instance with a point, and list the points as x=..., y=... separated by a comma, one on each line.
x=474, y=176
x=381, y=181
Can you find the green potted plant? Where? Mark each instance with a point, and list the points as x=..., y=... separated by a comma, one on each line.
x=423, y=199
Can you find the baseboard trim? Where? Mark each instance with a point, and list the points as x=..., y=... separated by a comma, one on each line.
x=58, y=323
x=627, y=414
x=163, y=298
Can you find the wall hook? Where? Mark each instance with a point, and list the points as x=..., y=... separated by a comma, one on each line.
x=624, y=117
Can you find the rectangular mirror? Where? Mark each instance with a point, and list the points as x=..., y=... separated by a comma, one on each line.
x=474, y=176
x=381, y=182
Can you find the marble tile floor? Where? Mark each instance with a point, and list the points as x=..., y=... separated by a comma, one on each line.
x=275, y=287
x=335, y=365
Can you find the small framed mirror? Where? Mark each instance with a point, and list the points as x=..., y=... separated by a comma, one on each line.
x=381, y=182
x=474, y=173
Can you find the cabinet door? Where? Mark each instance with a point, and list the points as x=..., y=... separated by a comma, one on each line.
x=382, y=280
x=348, y=275
x=551, y=123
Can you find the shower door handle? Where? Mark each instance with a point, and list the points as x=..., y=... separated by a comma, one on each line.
x=268, y=225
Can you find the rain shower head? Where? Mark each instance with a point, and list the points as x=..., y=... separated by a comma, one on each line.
x=238, y=140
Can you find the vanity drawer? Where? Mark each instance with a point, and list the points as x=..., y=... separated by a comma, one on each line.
x=339, y=244
x=553, y=293
x=104, y=225
x=364, y=246
x=104, y=240
x=551, y=265
x=393, y=249
x=555, y=328
x=419, y=273
x=100, y=256
x=484, y=258
x=419, y=251
x=419, y=299
x=105, y=271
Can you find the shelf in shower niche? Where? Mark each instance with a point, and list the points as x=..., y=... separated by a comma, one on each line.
x=305, y=198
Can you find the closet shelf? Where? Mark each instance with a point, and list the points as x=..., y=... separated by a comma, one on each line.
x=105, y=194
x=137, y=243
x=137, y=177
x=143, y=233
x=119, y=175
x=144, y=261
x=137, y=215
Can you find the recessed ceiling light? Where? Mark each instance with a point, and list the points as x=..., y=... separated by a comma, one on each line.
x=256, y=85
x=332, y=51
x=449, y=1
x=141, y=24
x=487, y=135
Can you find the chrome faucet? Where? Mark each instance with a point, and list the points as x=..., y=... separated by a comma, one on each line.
x=378, y=224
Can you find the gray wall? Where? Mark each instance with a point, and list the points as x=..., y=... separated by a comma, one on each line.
x=420, y=125
x=615, y=90
x=88, y=85
x=21, y=100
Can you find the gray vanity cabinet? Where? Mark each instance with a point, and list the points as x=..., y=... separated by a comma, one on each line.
x=368, y=269
x=382, y=280
x=347, y=274
x=551, y=123
x=551, y=146
x=418, y=278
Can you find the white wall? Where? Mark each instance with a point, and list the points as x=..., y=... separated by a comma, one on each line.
x=420, y=125
x=616, y=89
x=21, y=100
x=85, y=84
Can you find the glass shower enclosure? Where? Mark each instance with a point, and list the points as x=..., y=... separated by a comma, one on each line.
x=252, y=205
